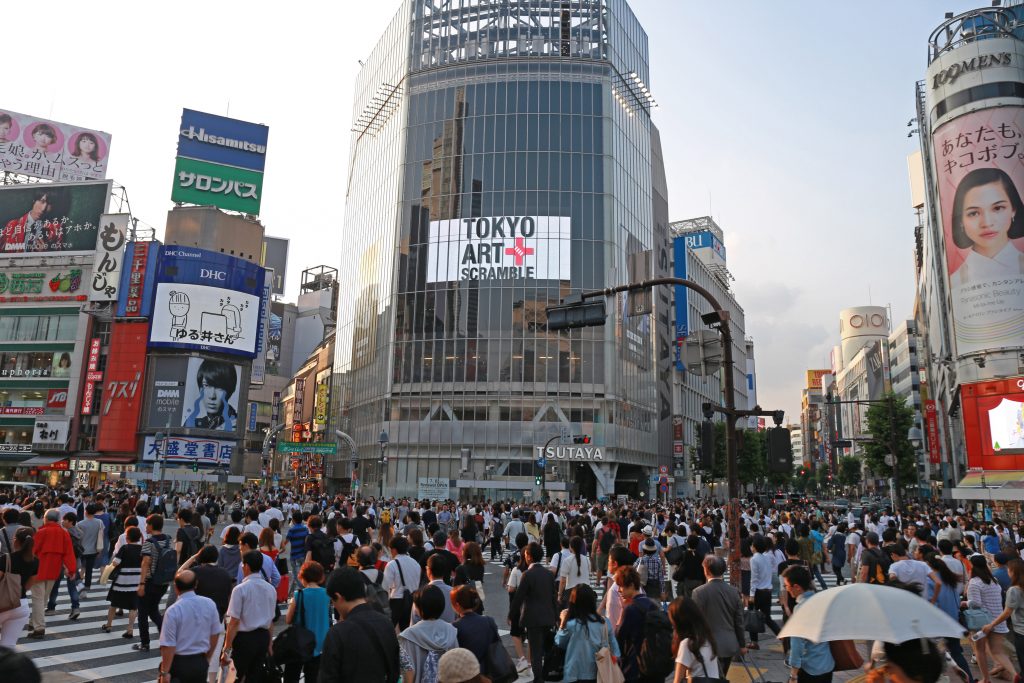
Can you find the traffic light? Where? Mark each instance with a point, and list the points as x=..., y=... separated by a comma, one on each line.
x=195, y=465
x=707, y=445
x=538, y=480
x=574, y=312
x=581, y=438
x=780, y=450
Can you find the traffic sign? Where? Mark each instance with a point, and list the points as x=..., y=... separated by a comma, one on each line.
x=677, y=447
x=663, y=480
x=663, y=488
x=663, y=470
x=542, y=463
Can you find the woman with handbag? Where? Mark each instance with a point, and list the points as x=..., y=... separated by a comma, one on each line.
x=17, y=570
x=984, y=593
x=124, y=578
x=471, y=569
x=948, y=601
x=583, y=633
x=310, y=609
x=476, y=632
x=696, y=656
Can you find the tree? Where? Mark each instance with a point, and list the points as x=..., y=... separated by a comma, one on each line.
x=884, y=431
x=849, y=471
x=752, y=454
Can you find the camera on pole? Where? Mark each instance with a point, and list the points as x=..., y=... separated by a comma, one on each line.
x=574, y=312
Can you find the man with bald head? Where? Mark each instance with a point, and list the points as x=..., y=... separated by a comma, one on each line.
x=189, y=634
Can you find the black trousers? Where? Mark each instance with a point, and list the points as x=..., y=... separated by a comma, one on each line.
x=149, y=609
x=88, y=564
x=763, y=604
x=538, y=637
x=248, y=650
x=189, y=668
x=401, y=612
x=310, y=668
x=804, y=677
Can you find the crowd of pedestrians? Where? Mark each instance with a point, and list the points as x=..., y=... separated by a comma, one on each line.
x=332, y=589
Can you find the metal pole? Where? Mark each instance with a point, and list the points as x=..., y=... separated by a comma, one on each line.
x=383, y=471
x=895, y=459
x=543, y=470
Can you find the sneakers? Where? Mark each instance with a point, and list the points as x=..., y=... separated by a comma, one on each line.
x=50, y=611
x=522, y=665
x=38, y=633
x=74, y=614
x=141, y=647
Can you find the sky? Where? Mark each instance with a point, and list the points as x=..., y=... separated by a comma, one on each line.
x=786, y=121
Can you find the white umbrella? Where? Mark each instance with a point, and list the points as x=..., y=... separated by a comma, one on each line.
x=862, y=611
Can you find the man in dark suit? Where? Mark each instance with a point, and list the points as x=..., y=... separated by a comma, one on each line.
x=535, y=601
x=723, y=608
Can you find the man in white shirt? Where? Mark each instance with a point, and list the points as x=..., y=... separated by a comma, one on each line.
x=911, y=572
x=401, y=580
x=252, y=525
x=853, y=548
x=249, y=617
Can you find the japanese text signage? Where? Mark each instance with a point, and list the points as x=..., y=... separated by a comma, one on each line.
x=303, y=447
x=300, y=390
x=94, y=354
x=106, y=265
x=45, y=284
x=136, y=287
x=51, y=218
x=226, y=187
x=500, y=248
x=122, y=394
x=979, y=160
x=207, y=301
x=814, y=378
x=51, y=150
x=682, y=300
x=931, y=417
x=320, y=413
x=178, y=450
x=51, y=433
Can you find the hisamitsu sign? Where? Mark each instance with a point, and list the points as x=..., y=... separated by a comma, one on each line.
x=500, y=248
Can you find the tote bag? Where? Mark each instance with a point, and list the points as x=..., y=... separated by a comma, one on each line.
x=608, y=670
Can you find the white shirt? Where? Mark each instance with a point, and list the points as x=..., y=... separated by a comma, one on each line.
x=687, y=659
x=253, y=528
x=392, y=582
x=853, y=539
x=569, y=571
x=252, y=603
x=189, y=624
x=911, y=571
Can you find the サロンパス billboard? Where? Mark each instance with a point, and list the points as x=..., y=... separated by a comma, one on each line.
x=979, y=160
x=227, y=187
x=47, y=149
x=39, y=219
x=500, y=248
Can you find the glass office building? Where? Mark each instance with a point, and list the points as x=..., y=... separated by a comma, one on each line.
x=501, y=159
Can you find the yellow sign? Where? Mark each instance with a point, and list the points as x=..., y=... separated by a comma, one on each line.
x=814, y=378
x=320, y=414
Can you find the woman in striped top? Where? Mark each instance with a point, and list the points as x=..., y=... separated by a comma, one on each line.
x=125, y=584
x=983, y=591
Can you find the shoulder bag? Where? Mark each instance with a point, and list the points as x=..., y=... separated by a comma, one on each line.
x=295, y=645
x=974, y=618
x=500, y=667
x=705, y=678
x=10, y=588
x=608, y=670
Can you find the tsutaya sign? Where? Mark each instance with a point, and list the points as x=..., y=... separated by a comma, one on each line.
x=499, y=248
x=570, y=452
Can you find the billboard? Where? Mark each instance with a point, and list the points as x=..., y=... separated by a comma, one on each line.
x=137, y=280
x=51, y=433
x=194, y=392
x=106, y=265
x=979, y=160
x=220, y=140
x=188, y=449
x=41, y=284
x=121, y=402
x=35, y=364
x=207, y=301
x=275, y=256
x=47, y=149
x=874, y=359
x=931, y=416
x=275, y=325
x=51, y=218
x=682, y=300
x=258, y=370
x=994, y=423
x=814, y=378
x=500, y=248
x=226, y=187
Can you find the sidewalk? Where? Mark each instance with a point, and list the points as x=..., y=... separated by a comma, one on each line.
x=769, y=659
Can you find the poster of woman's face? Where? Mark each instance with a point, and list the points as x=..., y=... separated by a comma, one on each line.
x=72, y=153
x=979, y=159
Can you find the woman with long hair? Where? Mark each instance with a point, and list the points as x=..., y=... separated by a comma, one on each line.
x=1014, y=609
x=552, y=533
x=983, y=592
x=948, y=602
x=86, y=147
x=573, y=571
x=694, y=643
x=24, y=564
x=471, y=569
x=455, y=545
x=581, y=633
x=124, y=582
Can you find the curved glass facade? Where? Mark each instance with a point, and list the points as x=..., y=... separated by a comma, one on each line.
x=523, y=175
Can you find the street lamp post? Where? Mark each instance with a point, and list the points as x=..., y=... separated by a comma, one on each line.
x=383, y=441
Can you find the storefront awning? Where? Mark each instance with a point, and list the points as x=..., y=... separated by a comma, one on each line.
x=42, y=460
x=997, y=485
x=127, y=459
x=13, y=458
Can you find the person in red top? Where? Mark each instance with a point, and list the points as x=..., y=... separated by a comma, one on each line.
x=56, y=559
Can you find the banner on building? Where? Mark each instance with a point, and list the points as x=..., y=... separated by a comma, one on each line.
x=433, y=488
x=874, y=360
x=221, y=140
x=258, y=371
x=500, y=248
x=979, y=159
x=121, y=403
x=36, y=364
x=932, y=425
x=814, y=378
x=106, y=265
x=275, y=257
x=682, y=301
x=48, y=149
x=40, y=219
x=320, y=412
x=194, y=392
x=226, y=187
x=42, y=284
x=275, y=329
x=178, y=450
x=51, y=433
x=137, y=280
x=994, y=423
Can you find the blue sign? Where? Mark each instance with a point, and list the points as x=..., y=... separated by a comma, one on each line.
x=704, y=239
x=138, y=279
x=252, y=416
x=541, y=463
x=194, y=266
x=220, y=140
x=682, y=299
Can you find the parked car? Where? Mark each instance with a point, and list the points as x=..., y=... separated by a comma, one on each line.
x=841, y=504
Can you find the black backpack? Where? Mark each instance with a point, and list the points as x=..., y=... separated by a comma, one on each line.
x=655, y=660
x=166, y=563
x=376, y=596
x=190, y=546
x=322, y=550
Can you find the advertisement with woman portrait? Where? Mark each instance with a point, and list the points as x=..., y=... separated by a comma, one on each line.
x=38, y=147
x=979, y=160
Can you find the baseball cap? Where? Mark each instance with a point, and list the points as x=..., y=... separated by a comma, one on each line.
x=648, y=531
